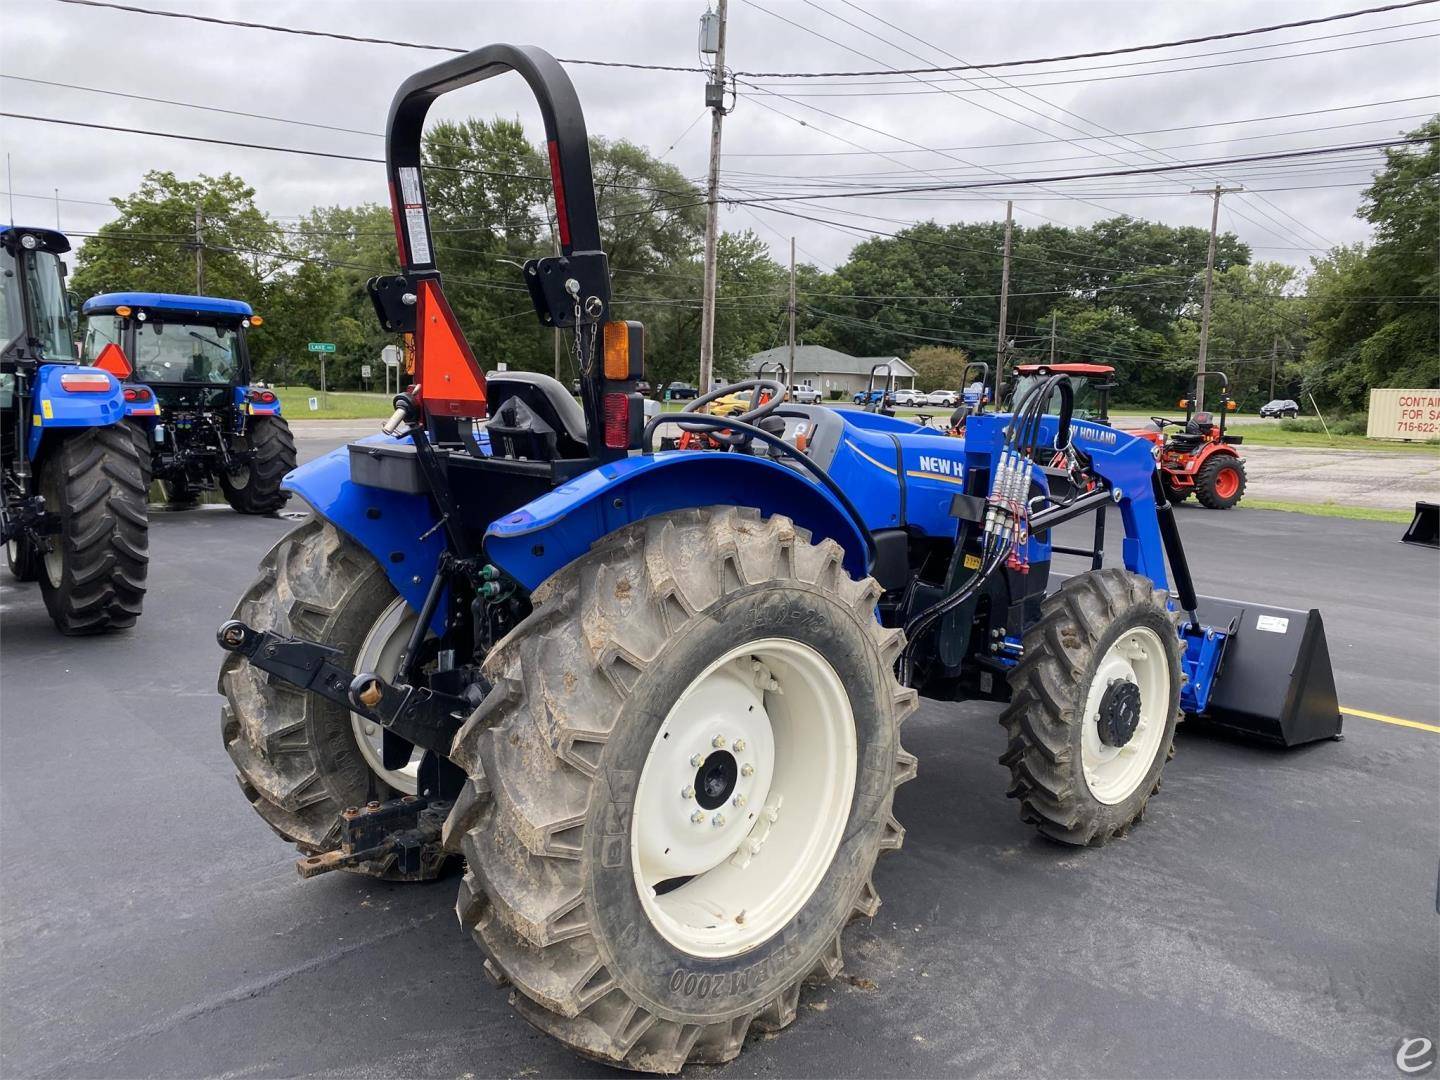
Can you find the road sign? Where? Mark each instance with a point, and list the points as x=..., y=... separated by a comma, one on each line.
x=365, y=371
x=314, y=404
x=321, y=346
x=390, y=355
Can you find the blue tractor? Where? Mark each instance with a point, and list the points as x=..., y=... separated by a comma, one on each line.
x=654, y=698
x=72, y=493
x=197, y=420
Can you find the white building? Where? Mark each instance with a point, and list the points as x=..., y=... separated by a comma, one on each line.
x=829, y=370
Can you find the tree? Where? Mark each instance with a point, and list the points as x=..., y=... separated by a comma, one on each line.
x=1375, y=314
x=150, y=246
x=938, y=367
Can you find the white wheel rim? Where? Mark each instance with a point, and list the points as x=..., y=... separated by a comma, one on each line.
x=54, y=557
x=380, y=654
x=1113, y=773
x=779, y=711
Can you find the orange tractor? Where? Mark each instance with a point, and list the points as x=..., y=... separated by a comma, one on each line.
x=1198, y=458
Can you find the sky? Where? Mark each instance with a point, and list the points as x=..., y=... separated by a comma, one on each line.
x=784, y=136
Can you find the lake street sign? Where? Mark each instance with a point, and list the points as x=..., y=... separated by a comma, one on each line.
x=321, y=346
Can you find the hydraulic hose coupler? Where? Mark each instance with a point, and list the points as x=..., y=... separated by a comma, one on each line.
x=406, y=412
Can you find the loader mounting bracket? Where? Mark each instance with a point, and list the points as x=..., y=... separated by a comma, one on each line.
x=425, y=717
x=562, y=284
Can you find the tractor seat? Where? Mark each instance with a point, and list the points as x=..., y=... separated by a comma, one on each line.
x=1200, y=424
x=534, y=416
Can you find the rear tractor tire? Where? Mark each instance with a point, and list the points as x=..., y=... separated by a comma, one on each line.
x=1220, y=482
x=680, y=782
x=93, y=577
x=254, y=488
x=300, y=759
x=1095, y=700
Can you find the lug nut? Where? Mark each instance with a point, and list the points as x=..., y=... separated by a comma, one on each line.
x=739, y=745
x=373, y=804
x=718, y=820
x=739, y=800
x=697, y=817
x=747, y=769
x=688, y=793
x=697, y=760
x=718, y=742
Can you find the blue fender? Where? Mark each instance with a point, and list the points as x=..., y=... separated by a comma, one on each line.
x=255, y=408
x=390, y=525
x=56, y=407
x=554, y=530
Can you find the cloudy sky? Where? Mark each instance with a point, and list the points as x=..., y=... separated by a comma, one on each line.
x=1357, y=80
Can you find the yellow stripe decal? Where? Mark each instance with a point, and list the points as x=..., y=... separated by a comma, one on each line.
x=1389, y=719
x=908, y=472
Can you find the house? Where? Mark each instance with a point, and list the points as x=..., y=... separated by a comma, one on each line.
x=829, y=370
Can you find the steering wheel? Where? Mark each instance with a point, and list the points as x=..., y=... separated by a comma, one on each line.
x=758, y=409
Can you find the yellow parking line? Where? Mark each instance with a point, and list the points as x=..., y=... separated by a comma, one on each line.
x=1389, y=719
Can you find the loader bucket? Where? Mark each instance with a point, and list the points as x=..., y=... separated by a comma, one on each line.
x=1274, y=682
x=1425, y=526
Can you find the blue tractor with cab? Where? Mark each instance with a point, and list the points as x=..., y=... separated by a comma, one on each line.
x=72, y=495
x=196, y=419
x=654, y=699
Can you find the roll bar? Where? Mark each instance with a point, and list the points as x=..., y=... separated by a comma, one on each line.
x=569, y=290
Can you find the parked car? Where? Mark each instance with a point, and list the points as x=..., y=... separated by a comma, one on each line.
x=680, y=391
x=947, y=398
x=805, y=395
x=1281, y=407
x=908, y=397
x=871, y=398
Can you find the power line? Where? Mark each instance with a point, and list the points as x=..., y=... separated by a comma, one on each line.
x=1125, y=134
x=357, y=39
x=1148, y=47
x=1226, y=36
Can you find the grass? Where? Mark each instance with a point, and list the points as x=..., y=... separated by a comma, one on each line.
x=338, y=404
x=1274, y=435
x=1330, y=509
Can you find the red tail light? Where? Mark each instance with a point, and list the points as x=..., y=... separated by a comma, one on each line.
x=617, y=421
x=137, y=393
x=85, y=382
x=263, y=397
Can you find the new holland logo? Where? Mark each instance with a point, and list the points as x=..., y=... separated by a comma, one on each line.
x=940, y=466
x=1107, y=436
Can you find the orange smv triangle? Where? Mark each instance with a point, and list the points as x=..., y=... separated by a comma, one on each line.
x=453, y=383
x=112, y=359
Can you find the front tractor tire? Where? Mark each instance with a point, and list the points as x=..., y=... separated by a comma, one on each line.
x=1095, y=700
x=93, y=577
x=679, y=784
x=1220, y=481
x=300, y=759
x=254, y=488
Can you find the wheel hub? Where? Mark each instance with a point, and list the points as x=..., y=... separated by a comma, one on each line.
x=1119, y=712
x=715, y=779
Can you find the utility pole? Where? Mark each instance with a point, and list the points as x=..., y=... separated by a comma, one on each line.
x=1052, y=339
x=1004, y=301
x=794, y=379
x=200, y=254
x=712, y=34
x=1274, y=348
x=1216, y=192
x=57, y=210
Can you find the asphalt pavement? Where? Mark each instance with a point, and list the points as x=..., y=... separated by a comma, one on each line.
x=1274, y=915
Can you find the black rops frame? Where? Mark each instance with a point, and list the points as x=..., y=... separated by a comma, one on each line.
x=578, y=277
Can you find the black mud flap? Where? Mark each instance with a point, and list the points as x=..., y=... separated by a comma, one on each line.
x=1275, y=682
